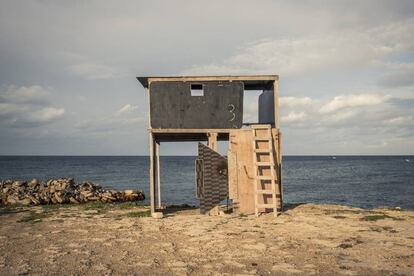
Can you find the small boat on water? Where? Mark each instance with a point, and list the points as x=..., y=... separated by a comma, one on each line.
x=334, y=157
x=407, y=160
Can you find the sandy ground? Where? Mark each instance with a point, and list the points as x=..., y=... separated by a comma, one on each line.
x=104, y=239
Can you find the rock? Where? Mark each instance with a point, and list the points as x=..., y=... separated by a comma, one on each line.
x=73, y=200
x=63, y=190
x=157, y=215
x=12, y=200
x=34, y=182
x=25, y=201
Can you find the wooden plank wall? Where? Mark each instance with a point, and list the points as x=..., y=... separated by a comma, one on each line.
x=240, y=167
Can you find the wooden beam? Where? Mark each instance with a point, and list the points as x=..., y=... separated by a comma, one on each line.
x=151, y=173
x=212, y=144
x=190, y=130
x=212, y=78
x=212, y=140
x=280, y=168
x=157, y=154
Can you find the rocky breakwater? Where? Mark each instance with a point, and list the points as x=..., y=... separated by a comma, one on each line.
x=61, y=191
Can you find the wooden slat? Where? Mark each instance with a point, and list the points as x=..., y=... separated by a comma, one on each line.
x=212, y=140
x=264, y=139
x=272, y=171
x=257, y=126
x=268, y=206
x=157, y=156
x=232, y=175
x=265, y=177
x=151, y=173
x=266, y=192
x=256, y=210
x=261, y=150
x=264, y=164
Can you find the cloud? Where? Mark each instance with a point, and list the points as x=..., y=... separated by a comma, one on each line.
x=93, y=71
x=47, y=114
x=30, y=95
x=401, y=75
x=126, y=109
x=294, y=101
x=22, y=107
x=400, y=121
x=345, y=101
x=299, y=55
x=293, y=117
x=122, y=119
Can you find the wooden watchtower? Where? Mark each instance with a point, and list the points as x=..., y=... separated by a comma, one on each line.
x=210, y=108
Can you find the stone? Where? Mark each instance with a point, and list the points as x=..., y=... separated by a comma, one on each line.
x=63, y=190
x=157, y=215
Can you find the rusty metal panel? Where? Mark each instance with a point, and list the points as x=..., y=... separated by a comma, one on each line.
x=217, y=104
x=214, y=187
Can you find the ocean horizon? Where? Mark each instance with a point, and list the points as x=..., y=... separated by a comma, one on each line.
x=365, y=181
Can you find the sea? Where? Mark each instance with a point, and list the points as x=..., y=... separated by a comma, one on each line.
x=359, y=181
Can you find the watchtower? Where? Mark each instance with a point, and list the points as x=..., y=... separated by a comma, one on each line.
x=210, y=108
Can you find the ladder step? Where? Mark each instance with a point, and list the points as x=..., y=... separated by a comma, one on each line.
x=261, y=126
x=264, y=164
x=262, y=150
x=265, y=139
x=265, y=177
x=265, y=192
x=265, y=205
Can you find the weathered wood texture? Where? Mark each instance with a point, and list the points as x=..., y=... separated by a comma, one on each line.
x=241, y=147
x=212, y=140
x=232, y=174
x=157, y=155
x=152, y=171
x=257, y=82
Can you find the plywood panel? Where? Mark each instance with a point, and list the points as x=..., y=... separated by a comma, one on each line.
x=241, y=145
x=173, y=106
x=232, y=174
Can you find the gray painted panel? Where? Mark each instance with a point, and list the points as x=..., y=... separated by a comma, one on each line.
x=172, y=106
x=266, y=107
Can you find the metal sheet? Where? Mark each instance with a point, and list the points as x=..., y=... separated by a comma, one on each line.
x=214, y=187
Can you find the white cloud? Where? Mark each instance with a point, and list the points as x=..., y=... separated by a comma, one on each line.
x=126, y=109
x=122, y=119
x=298, y=55
x=93, y=71
x=400, y=121
x=32, y=95
x=47, y=114
x=345, y=101
x=293, y=117
x=294, y=101
x=27, y=107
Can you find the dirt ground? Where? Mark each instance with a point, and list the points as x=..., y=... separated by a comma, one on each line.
x=109, y=239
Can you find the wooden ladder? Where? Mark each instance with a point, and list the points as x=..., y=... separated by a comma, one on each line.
x=259, y=191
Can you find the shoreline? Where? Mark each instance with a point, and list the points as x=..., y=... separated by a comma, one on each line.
x=119, y=238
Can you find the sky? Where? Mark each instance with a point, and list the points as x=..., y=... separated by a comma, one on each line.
x=68, y=68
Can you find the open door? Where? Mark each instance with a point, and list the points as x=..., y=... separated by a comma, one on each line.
x=211, y=178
